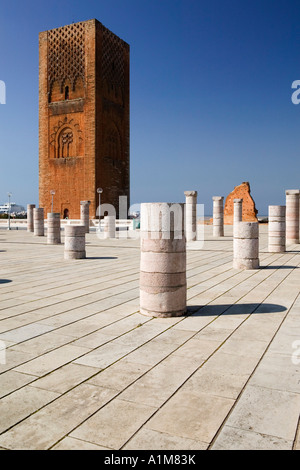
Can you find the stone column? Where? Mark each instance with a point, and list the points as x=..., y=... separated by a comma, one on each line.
x=109, y=226
x=237, y=210
x=277, y=229
x=30, y=226
x=75, y=242
x=190, y=215
x=163, y=260
x=218, y=216
x=85, y=214
x=53, y=230
x=246, y=245
x=38, y=221
x=292, y=216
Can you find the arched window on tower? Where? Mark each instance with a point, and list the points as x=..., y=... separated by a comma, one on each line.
x=66, y=147
x=67, y=93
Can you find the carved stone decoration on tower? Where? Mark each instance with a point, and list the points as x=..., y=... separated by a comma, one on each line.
x=83, y=117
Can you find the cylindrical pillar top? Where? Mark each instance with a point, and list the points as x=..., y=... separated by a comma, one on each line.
x=162, y=217
x=218, y=198
x=246, y=230
x=190, y=193
x=292, y=192
x=85, y=202
x=74, y=230
x=38, y=210
x=277, y=211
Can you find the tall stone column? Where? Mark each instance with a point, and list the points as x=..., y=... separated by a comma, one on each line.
x=246, y=245
x=292, y=216
x=109, y=226
x=53, y=230
x=30, y=226
x=163, y=260
x=75, y=242
x=38, y=222
x=237, y=210
x=85, y=214
x=190, y=215
x=218, y=216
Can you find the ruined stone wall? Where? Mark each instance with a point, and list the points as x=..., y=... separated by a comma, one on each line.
x=249, y=212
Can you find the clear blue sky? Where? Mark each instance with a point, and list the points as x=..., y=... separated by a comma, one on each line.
x=210, y=94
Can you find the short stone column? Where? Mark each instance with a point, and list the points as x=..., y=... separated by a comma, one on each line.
x=292, y=216
x=85, y=214
x=190, y=215
x=277, y=229
x=218, y=216
x=38, y=222
x=163, y=260
x=30, y=225
x=237, y=210
x=75, y=242
x=53, y=228
x=109, y=226
x=246, y=245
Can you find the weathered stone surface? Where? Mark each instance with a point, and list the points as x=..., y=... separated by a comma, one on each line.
x=218, y=216
x=163, y=262
x=38, y=221
x=249, y=212
x=190, y=215
x=237, y=210
x=109, y=226
x=83, y=117
x=292, y=216
x=85, y=214
x=277, y=229
x=30, y=225
x=53, y=230
x=74, y=242
x=246, y=245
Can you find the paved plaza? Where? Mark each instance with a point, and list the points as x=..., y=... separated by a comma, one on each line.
x=83, y=369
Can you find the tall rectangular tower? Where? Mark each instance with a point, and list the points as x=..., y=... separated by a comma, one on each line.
x=83, y=117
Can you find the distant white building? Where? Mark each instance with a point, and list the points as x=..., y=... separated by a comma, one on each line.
x=4, y=208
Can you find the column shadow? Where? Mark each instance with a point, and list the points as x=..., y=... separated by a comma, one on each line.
x=233, y=309
x=279, y=267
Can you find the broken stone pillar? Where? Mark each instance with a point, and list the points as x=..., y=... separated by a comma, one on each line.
x=30, y=225
x=163, y=260
x=246, y=245
x=237, y=210
x=190, y=215
x=38, y=222
x=292, y=216
x=218, y=217
x=53, y=230
x=277, y=229
x=85, y=214
x=75, y=242
x=109, y=226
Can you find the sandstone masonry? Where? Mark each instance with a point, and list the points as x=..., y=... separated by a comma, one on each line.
x=83, y=117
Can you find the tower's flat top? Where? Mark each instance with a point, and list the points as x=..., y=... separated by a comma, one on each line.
x=93, y=20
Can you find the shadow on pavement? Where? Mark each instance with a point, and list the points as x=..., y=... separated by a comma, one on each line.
x=235, y=309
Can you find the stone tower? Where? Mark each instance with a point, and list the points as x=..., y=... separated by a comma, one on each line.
x=83, y=117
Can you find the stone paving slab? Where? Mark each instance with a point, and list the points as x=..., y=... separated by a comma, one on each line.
x=85, y=370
